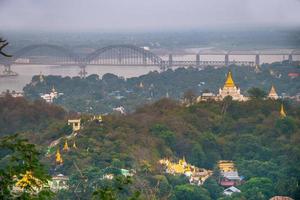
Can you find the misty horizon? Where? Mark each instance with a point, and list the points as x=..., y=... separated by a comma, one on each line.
x=154, y=15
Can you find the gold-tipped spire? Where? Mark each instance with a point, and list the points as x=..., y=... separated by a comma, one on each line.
x=66, y=146
x=282, y=112
x=74, y=145
x=229, y=81
x=59, y=159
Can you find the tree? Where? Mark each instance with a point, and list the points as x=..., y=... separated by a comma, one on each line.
x=213, y=188
x=115, y=190
x=256, y=93
x=3, y=44
x=190, y=192
x=20, y=166
x=190, y=96
x=258, y=188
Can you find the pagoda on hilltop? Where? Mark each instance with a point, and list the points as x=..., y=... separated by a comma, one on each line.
x=230, y=89
x=273, y=94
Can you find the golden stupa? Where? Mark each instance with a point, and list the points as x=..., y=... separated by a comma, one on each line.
x=66, y=146
x=229, y=81
x=282, y=112
x=58, y=159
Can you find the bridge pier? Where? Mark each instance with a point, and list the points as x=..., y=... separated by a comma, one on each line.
x=144, y=60
x=226, y=60
x=257, y=60
x=164, y=66
x=170, y=60
x=7, y=71
x=198, y=60
x=290, y=58
x=82, y=72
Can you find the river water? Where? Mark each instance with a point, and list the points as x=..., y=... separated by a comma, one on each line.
x=27, y=71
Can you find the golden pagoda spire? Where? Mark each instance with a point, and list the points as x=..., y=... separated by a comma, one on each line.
x=66, y=146
x=282, y=112
x=229, y=81
x=74, y=145
x=59, y=159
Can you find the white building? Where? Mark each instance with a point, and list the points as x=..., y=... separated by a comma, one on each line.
x=59, y=182
x=49, y=98
x=229, y=191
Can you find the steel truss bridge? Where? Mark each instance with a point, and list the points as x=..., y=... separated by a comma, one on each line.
x=122, y=55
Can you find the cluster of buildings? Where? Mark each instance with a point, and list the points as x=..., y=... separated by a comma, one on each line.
x=35, y=185
x=12, y=93
x=196, y=176
x=229, y=175
x=49, y=97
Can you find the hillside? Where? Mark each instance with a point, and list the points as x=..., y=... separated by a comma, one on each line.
x=19, y=115
x=264, y=147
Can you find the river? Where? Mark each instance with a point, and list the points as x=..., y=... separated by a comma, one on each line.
x=27, y=71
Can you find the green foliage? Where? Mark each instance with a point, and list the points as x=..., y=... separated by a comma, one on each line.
x=257, y=93
x=258, y=189
x=18, y=114
x=164, y=133
x=286, y=125
x=190, y=192
x=115, y=190
x=251, y=133
x=18, y=157
x=212, y=186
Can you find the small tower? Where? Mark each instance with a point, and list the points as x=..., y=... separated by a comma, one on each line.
x=273, y=94
x=59, y=160
x=74, y=145
x=282, y=112
x=66, y=146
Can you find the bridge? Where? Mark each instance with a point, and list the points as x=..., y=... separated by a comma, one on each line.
x=121, y=55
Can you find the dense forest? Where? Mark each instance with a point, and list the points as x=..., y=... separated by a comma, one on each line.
x=101, y=95
x=19, y=115
x=263, y=145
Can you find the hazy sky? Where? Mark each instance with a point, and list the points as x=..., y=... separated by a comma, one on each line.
x=93, y=15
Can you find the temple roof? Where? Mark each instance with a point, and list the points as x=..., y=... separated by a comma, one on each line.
x=229, y=81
